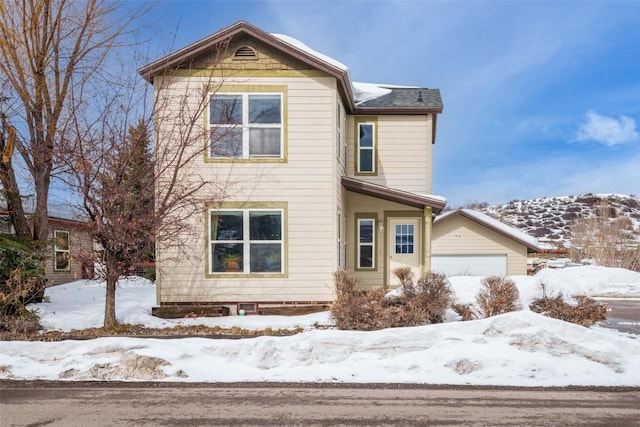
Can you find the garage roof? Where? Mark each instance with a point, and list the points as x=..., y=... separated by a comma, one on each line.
x=499, y=227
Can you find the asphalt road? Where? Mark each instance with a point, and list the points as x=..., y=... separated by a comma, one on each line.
x=159, y=404
x=623, y=315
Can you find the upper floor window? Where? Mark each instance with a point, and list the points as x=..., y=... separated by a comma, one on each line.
x=61, y=250
x=366, y=148
x=246, y=241
x=246, y=125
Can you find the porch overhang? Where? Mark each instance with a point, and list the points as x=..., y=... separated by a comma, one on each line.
x=406, y=198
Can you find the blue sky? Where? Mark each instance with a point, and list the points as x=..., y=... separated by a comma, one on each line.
x=540, y=98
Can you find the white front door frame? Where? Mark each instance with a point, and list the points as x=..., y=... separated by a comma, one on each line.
x=404, y=246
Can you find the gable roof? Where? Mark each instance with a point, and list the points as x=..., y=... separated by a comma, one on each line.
x=397, y=100
x=406, y=198
x=493, y=224
x=183, y=57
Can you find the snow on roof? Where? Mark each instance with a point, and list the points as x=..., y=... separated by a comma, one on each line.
x=433, y=196
x=298, y=44
x=362, y=92
x=496, y=225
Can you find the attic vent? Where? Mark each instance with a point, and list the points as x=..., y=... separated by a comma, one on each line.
x=245, y=52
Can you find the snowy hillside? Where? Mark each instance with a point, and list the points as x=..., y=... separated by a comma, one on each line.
x=549, y=218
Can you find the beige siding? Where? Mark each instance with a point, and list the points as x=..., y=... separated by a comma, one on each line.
x=460, y=236
x=360, y=204
x=305, y=181
x=403, y=152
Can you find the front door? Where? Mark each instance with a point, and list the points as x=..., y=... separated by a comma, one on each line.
x=403, y=247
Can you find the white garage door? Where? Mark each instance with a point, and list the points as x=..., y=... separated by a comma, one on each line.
x=470, y=265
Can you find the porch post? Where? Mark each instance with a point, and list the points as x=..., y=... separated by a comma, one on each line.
x=426, y=244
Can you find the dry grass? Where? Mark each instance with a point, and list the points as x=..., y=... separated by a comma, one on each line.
x=14, y=328
x=18, y=327
x=585, y=312
x=498, y=295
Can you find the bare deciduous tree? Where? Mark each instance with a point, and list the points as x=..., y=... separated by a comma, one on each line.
x=49, y=49
x=133, y=194
x=11, y=192
x=611, y=242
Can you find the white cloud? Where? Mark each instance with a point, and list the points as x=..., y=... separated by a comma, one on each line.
x=608, y=130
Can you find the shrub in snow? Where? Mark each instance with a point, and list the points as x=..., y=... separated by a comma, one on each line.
x=354, y=308
x=433, y=295
x=465, y=311
x=498, y=295
x=585, y=312
x=420, y=303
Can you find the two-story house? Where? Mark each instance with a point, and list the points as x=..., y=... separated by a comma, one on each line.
x=327, y=174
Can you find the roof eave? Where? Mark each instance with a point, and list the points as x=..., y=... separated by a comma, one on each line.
x=393, y=195
x=397, y=110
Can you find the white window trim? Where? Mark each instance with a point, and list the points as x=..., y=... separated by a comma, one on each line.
x=372, y=148
x=246, y=126
x=372, y=244
x=246, y=242
x=57, y=250
x=413, y=235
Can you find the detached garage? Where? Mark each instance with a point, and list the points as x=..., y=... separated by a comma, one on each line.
x=470, y=243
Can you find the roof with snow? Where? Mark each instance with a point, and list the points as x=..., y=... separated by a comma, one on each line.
x=499, y=227
x=360, y=98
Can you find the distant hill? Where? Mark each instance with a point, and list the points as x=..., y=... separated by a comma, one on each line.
x=549, y=218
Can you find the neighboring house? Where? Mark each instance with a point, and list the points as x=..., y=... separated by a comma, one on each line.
x=326, y=174
x=70, y=244
x=468, y=242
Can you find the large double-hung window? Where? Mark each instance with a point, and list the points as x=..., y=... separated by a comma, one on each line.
x=246, y=125
x=246, y=241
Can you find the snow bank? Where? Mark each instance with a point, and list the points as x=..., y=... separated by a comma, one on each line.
x=518, y=349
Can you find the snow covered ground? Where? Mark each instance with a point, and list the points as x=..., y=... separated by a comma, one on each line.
x=519, y=349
